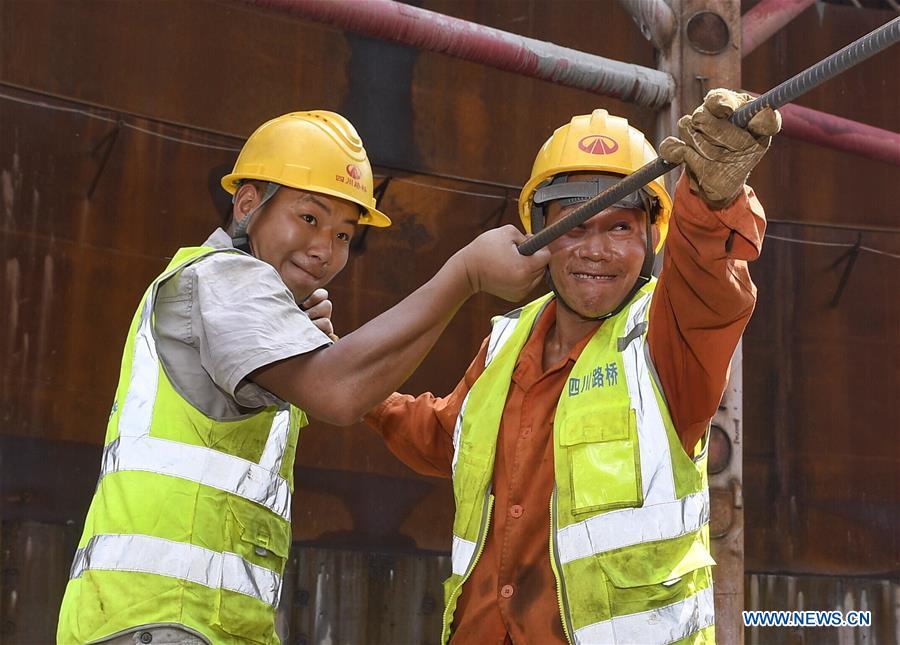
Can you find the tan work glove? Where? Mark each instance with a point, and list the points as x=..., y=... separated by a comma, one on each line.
x=719, y=155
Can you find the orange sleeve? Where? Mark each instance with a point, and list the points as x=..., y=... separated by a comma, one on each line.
x=702, y=303
x=419, y=430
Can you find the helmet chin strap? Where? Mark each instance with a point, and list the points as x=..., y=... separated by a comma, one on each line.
x=239, y=239
x=581, y=191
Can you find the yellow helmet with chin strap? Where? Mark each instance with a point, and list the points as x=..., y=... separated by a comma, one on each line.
x=317, y=151
x=595, y=143
x=608, y=148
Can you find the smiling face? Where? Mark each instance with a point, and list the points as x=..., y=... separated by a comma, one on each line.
x=595, y=265
x=305, y=236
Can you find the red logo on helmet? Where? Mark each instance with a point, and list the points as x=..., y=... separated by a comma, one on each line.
x=598, y=144
x=354, y=171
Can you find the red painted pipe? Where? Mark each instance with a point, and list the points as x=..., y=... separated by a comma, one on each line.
x=767, y=18
x=430, y=31
x=838, y=133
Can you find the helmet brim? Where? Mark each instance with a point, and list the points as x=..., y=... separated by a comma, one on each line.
x=370, y=216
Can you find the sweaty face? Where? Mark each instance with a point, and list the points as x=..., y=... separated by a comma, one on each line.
x=305, y=236
x=595, y=265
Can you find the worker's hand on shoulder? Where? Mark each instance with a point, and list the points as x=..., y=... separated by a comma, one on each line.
x=318, y=307
x=718, y=154
x=494, y=264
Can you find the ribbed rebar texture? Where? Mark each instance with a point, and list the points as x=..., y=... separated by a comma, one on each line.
x=824, y=70
x=839, y=62
x=630, y=184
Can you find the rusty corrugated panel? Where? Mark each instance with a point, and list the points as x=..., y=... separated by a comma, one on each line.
x=350, y=597
x=75, y=266
x=824, y=593
x=822, y=450
x=206, y=63
x=34, y=562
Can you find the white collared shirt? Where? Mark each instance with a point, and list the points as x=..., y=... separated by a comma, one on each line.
x=221, y=318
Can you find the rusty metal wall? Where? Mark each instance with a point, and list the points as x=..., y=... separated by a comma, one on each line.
x=92, y=210
x=89, y=213
x=821, y=364
x=225, y=68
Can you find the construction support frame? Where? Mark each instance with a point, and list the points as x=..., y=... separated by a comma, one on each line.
x=705, y=53
x=430, y=31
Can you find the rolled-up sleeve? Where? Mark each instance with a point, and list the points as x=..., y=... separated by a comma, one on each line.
x=246, y=318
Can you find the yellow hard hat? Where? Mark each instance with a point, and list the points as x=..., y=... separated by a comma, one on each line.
x=596, y=142
x=318, y=151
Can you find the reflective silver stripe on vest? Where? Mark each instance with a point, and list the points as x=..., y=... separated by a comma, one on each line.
x=630, y=526
x=503, y=328
x=457, y=432
x=276, y=444
x=666, y=624
x=501, y=331
x=657, y=476
x=137, y=411
x=202, y=465
x=461, y=555
x=135, y=449
x=146, y=554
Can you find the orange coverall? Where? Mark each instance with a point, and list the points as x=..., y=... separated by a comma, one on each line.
x=701, y=306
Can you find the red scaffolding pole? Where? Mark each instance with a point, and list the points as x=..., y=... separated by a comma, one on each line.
x=838, y=133
x=766, y=19
x=436, y=32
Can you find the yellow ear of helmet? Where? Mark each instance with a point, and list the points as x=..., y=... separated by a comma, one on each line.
x=596, y=142
x=318, y=151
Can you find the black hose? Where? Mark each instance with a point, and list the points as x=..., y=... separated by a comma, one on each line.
x=826, y=69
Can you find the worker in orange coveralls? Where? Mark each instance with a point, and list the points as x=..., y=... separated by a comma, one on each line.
x=577, y=438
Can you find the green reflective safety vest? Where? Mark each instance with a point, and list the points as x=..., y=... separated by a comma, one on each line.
x=190, y=522
x=629, y=513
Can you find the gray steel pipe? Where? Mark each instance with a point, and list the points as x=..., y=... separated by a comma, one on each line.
x=654, y=18
x=430, y=31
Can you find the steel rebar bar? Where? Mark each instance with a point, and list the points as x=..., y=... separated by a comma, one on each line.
x=835, y=64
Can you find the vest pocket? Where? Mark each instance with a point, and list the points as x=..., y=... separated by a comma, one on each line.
x=239, y=616
x=262, y=539
x=653, y=575
x=265, y=538
x=604, y=460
